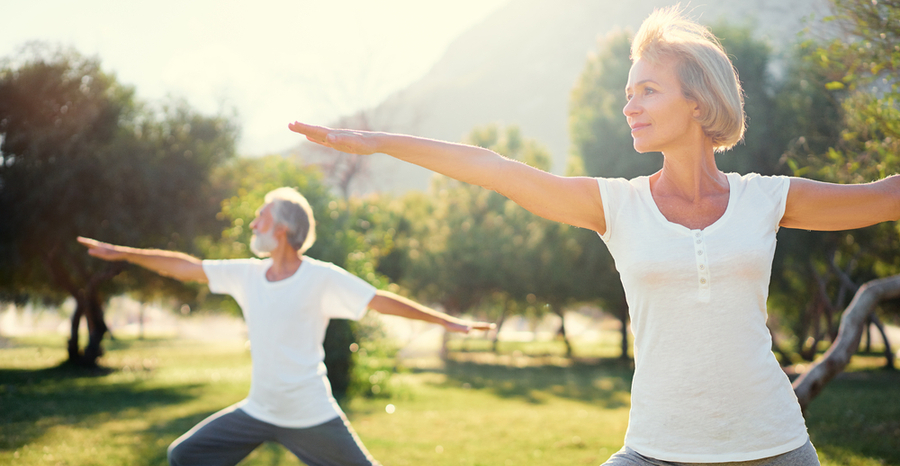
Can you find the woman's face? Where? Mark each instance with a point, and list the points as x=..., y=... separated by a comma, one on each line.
x=660, y=118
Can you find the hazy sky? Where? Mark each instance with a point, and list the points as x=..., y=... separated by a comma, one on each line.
x=274, y=61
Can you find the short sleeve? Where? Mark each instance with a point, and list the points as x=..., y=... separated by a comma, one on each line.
x=606, y=199
x=227, y=276
x=613, y=192
x=774, y=190
x=345, y=295
x=784, y=186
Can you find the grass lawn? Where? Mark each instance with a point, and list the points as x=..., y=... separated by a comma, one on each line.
x=473, y=412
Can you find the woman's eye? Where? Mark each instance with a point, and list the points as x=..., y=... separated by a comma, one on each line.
x=649, y=91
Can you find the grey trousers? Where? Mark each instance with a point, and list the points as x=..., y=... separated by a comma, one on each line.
x=227, y=437
x=803, y=456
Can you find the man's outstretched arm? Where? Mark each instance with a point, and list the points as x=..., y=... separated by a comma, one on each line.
x=172, y=264
x=386, y=302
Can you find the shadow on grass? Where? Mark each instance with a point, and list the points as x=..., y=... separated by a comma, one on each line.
x=35, y=400
x=858, y=413
x=606, y=383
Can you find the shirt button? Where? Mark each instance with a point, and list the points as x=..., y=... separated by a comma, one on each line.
x=702, y=281
x=699, y=241
x=702, y=267
x=698, y=234
x=699, y=253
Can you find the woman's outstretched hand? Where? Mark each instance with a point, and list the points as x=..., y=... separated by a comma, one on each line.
x=344, y=140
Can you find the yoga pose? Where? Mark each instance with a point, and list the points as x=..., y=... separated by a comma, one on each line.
x=287, y=300
x=694, y=247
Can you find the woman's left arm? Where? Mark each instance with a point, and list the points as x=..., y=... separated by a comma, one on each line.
x=816, y=205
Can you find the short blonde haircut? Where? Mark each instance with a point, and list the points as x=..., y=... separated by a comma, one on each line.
x=292, y=210
x=707, y=75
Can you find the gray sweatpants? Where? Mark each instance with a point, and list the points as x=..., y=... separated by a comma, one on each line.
x=803, y=456
x=227, y=437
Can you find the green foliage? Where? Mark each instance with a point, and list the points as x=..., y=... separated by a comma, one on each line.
x=764, y=140
x=374, y=361
x=469, y=248
x=80, y=156
x=862, y=63
x=474, y=251
x=851, y=89
x=601, y=138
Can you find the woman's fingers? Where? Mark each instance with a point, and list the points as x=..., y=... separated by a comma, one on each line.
x=354, y=142
x=313, y=133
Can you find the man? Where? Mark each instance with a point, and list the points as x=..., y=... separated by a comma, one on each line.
x=287, y=300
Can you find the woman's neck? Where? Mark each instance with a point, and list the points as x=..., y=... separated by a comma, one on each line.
x=689, y=174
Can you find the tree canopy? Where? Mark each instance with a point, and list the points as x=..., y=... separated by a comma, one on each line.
x=81, y=156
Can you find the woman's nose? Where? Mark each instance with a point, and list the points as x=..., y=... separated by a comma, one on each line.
x=630, y=108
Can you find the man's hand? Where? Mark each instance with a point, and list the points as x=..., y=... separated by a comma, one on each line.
x=173, y=264
x=101, y=250
x=465, y=326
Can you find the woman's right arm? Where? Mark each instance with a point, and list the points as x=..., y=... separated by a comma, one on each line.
x=572, y=200
x=172, y=264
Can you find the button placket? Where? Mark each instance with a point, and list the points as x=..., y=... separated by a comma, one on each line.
x=702, y=266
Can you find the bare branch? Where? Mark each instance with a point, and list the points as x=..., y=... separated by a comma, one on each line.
x=853, y=320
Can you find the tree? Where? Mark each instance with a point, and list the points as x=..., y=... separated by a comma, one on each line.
x=79, y=156
x=464, y=247
x=858, y=70
x=601, y=138
x=833, y=362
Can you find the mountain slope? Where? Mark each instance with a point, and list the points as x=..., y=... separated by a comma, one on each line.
x=519, y=65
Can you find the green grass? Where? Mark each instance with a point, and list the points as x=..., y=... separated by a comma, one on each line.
x=518, y=409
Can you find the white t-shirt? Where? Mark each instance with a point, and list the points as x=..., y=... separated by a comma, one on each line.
x=286, y=322
x=706, y=385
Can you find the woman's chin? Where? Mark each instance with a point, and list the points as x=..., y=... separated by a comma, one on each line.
x=642, y=148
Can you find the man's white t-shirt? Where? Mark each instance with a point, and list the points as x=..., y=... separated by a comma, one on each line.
x=706, y=385
x=286, y=322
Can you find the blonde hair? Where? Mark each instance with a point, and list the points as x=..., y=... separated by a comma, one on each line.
x=292, y=210
x=707, y=75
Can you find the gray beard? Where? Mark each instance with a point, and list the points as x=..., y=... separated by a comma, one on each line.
x=263, y=244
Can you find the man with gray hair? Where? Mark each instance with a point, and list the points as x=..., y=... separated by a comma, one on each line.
x=287, y=299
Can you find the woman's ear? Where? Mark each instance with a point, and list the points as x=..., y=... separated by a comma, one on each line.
x=697, y=110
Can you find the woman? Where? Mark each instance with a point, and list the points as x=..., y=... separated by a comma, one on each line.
x=693, y=245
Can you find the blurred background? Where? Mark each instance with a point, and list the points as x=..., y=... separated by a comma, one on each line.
x=163, y=125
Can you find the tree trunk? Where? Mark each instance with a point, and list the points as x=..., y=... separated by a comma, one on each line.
x=84, y=286
x=97, y=329
x=853, y=320
x=869, y=337
x=73, y=348
x=562, y=329
x=496, y=342
x=888, y=352
x=90, y=306
x=141, y=310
